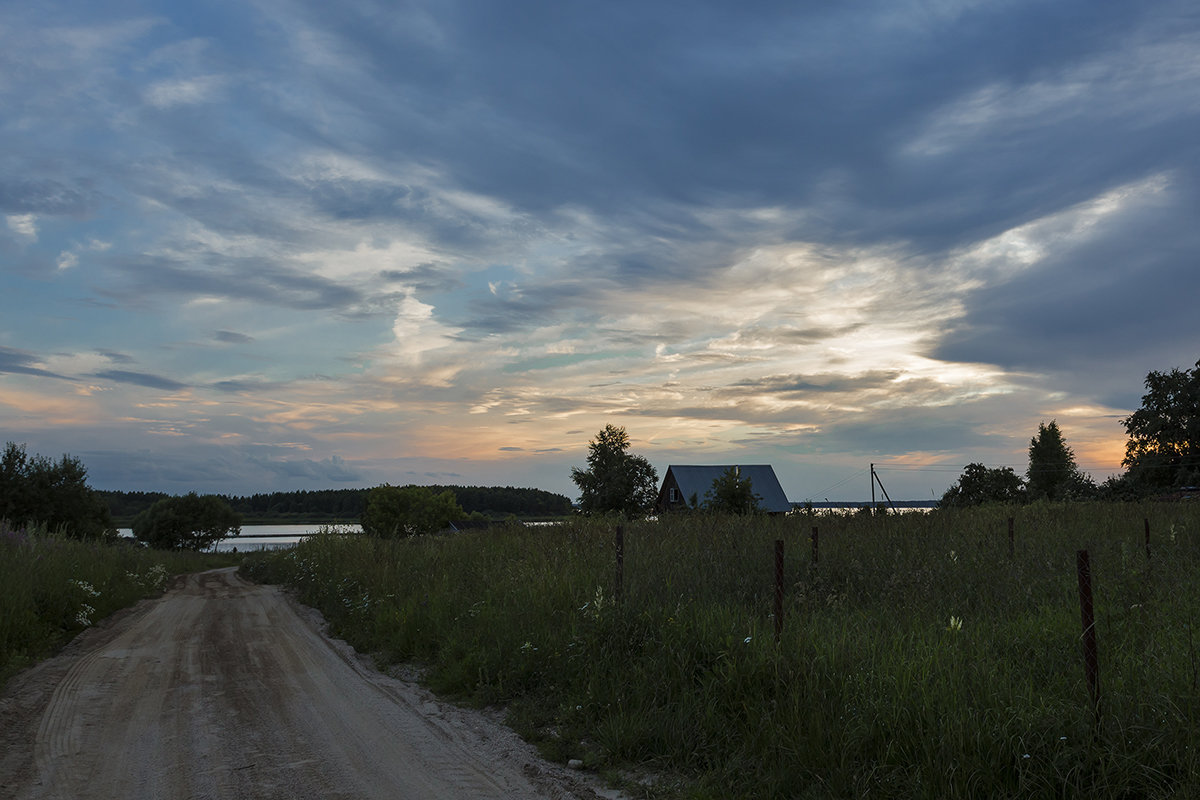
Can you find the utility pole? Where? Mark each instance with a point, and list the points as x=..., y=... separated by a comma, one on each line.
x=872, y=487
x=874, y=480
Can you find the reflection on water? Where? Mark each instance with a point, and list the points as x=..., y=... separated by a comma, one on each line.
x=268, y=537
x=273, y=537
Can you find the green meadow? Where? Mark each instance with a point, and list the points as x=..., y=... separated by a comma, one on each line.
x=920, y=655
x=53, y=586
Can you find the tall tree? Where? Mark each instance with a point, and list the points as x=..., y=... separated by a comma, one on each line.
x=36, y=490
x=979, y=485
x=615, y=479
x=1163, y=450
x=189, y=522
x=1053, y=474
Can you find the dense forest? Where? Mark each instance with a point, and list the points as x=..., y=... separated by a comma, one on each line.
x=346, y=505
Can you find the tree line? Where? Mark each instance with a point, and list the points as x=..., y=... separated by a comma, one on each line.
x=36, y=491
x=1162, y=455
x=348, y=505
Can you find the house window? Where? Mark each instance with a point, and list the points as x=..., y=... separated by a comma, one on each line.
x=674, y=495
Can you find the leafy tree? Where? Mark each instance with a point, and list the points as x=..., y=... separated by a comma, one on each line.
x=190, y=522
x=1163, y=450
x=615, y=479
x=1118, y=488
x=978, y=485
x=37, y=491
x=730, y=494
x=1053, y=474
x=407, y=510
x=15, y=486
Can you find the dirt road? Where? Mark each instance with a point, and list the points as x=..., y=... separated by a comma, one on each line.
x=226, y=689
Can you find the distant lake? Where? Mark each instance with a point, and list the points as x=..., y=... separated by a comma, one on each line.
x=901, y=507
x=274, y=537
x=267, y=537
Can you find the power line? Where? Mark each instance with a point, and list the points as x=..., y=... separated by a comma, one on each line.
x=825, y=492
x=960, y=467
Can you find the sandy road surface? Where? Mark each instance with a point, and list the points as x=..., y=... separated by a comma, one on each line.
x=226, y=689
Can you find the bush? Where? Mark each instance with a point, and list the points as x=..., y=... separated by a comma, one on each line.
x=979, y=485
x=35, y=491
x=408, y=510
x=190, y=522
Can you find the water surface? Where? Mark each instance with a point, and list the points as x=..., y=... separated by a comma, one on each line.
x=268, y=537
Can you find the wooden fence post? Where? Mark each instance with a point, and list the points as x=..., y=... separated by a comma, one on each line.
x=778, y=589
x=1011, y=539
x=620, y=577
x=816, y=550
x=1146, y=522
x=1087, y=615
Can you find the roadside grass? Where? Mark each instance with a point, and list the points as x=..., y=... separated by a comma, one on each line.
x=52, y=587
x=918, y=658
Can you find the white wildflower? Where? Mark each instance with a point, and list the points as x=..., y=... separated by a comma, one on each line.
x=84, y=616
x=85, y=587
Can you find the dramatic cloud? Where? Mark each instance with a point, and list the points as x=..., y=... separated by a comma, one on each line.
x=139, y=379
x=294, y=244
x=20, y=363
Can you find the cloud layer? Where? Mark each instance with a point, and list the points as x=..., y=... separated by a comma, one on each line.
x=283, y=244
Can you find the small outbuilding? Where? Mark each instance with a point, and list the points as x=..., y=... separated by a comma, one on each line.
x=684, y=486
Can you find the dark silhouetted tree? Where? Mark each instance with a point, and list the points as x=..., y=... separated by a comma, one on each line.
x=1053, y=474
x=732, y=494
x=979, y=485
x=1163, y=450
x=615, y=480
x=37, y=491
x=189, y=522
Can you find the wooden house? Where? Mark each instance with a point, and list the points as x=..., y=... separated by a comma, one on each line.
x=684, y=486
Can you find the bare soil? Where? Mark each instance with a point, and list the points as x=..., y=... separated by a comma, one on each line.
x=227, y=689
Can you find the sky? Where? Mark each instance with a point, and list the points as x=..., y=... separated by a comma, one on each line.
x=269, y=245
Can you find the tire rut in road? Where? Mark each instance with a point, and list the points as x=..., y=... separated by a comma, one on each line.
x=223, y=688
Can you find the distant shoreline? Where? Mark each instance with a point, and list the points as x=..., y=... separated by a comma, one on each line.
x=828, y=504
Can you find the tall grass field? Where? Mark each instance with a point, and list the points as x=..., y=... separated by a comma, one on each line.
x=921, y=655
x=53, y=586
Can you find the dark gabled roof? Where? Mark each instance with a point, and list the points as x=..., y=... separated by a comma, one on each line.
x=698, y=480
